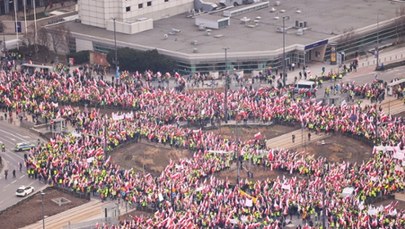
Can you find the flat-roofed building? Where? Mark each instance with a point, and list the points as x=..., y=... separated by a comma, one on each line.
x=255, y=37
x=131, y=16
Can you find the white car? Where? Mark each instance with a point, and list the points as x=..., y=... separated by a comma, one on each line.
x=24, y=191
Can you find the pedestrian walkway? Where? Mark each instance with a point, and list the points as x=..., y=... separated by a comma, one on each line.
x=85, y=212
x=301, y=139
x=390, y=105
x=366, y=64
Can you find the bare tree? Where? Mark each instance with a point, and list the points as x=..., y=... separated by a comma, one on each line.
x=2, y=30
x=43, y=37
x=59, y=35
x=3, y=27
x=30, y=35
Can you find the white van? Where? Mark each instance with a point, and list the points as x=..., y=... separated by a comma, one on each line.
x=304, y=84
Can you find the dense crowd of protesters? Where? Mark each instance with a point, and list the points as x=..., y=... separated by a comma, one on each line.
x=187, y=194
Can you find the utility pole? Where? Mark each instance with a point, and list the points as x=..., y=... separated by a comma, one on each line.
x=226, y=85
x=283, y=62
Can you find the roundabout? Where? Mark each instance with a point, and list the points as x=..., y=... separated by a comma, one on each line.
x=194, y=189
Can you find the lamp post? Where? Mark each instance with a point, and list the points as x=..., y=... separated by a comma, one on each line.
x=284, y=67
x=43, y=215
x=105, y=135
x=4, y=40
x=16, y=22
x=323, y=208
x=115, y=47
x=226, y=85
x=35, y=28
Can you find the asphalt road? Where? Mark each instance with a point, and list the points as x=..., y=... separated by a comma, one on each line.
x=11, y=134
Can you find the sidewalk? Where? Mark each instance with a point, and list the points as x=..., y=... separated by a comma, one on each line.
x=301, y=138
x=89, y=212
x=366, y=65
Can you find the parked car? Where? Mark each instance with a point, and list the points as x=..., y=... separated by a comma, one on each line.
x=24, y=191
x=24, y=146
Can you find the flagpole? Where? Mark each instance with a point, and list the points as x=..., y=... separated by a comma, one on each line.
x=35, y=28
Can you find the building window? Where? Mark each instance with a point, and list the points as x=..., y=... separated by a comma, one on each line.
x=128, y=8
x=149, y=3
x=140, y=6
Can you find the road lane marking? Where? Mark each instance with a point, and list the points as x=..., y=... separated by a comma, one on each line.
x=14, y=181
x=22, y=176
x=13, y=135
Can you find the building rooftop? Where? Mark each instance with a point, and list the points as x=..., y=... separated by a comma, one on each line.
x=325, y=19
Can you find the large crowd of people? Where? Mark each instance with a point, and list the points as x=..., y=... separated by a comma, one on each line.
x=187, y=194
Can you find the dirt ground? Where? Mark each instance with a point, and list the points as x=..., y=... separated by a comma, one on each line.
x=402, y=114
x=148, y=157
x=339, y=148
x=29, y=211
x=246, y=132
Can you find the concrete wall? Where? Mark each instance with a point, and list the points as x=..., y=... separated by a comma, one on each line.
x=82, y=45
x=130, y=28
x=98, y=12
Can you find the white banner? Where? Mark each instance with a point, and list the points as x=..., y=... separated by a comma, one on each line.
x=249, y=202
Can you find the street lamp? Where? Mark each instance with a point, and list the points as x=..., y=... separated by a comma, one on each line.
x=377, y=51
x=323, y=208
x=16, y=22
x=43, y=215
x=226, y=85
x=115, y=47
x=284, y=67
x=35, y=28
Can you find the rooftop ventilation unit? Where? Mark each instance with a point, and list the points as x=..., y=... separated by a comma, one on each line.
x=195, y=50
x=176, y=30
x=300, y=32
x=300, y=24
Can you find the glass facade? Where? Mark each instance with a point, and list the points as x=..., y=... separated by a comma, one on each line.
x=7, y=6
x=362, y=44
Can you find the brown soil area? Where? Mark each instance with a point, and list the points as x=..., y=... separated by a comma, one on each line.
x=339, y=148
x=144, y=155
x=29, y=211
x=402, y=114
x=248, y=132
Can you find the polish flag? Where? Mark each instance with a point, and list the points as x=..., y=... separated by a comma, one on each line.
x=258, y=136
